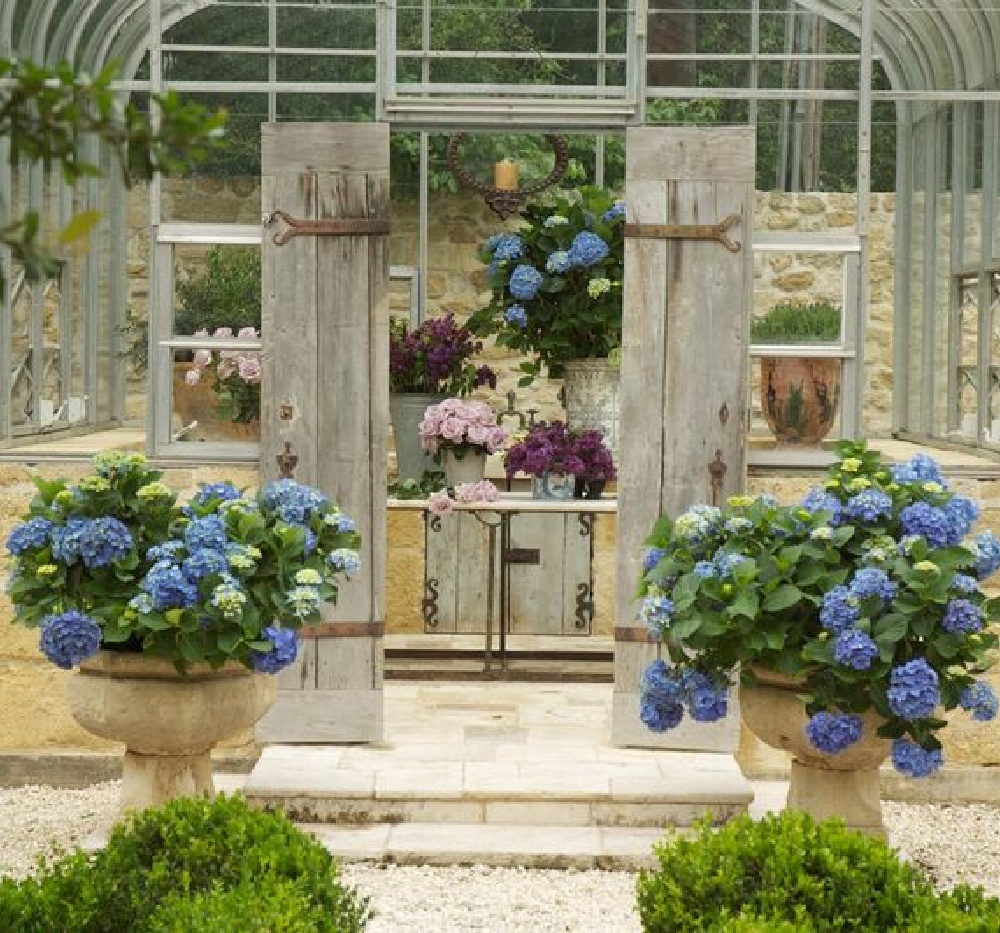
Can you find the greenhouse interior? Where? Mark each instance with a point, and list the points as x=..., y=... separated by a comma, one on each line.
x=877, y=177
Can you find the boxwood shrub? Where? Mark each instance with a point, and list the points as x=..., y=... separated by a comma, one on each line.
x=195, y=864
x=786, y=872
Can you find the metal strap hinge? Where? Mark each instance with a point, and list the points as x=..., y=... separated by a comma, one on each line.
x=331, y=226
x=717, y=232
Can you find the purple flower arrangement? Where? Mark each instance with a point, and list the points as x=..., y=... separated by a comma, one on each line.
x=436, y=359
x=461, y=426
x=867, y=595
x=551, y=447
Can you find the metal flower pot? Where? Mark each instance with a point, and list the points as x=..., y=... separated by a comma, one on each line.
x=407, y=410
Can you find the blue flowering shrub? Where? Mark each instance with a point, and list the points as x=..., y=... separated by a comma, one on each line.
x=115, y=561
x=868, y=593
x=557, y=281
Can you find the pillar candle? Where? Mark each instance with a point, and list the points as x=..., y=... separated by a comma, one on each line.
x=505, y=175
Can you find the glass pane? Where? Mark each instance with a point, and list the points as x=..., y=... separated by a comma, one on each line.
x=216, y=396
x=216, y=287
x=319, y=28
x=798, y=298
x=222, y=24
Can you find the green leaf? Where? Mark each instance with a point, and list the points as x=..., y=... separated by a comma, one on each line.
x=783, y=597
x=79, y=228
x=890, y=629
x=747, y=603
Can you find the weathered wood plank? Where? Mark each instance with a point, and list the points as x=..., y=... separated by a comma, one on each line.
x=441, y=573
x=537, y=591
x=334, y=148
x=690, y=154
x=345, y=664
x=471, y=583
x=578, y=570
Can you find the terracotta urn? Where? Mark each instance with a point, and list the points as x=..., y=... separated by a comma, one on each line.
x=799, y=397
x=843, y=785
x=167, y=721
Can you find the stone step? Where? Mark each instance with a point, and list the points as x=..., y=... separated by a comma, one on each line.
x=420, y=783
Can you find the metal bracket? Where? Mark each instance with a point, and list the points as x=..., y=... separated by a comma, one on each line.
x=584, y=605
x=717, y=471
x=429, y=604
x=522, y=555
x=331, y=226
x=716, y=232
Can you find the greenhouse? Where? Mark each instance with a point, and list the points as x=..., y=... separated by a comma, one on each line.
x=878, y=178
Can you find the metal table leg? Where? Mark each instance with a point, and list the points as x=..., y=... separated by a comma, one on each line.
x=491, y=585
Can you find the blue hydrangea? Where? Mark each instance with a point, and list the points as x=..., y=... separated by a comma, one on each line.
x=870, y=581
x=492, y=241
x=30, y=535
x=284, y=650
x=738, y=525
x=222, y=492
x=727, y=563
x=656, y=613
x=928, y=520
x=166, y=550
x=524, y=282
x=492, y=269
x=705, y=569
x=980, y=700
x=143, y=603
x=962, y=615
x=854, y=648
x=910, y=759
x=303, y=600
x=839, y=610
x=168, y=587
x=697, y=522
x=206, y=532
x=819, y=500
x=203, y=563
x=662, y=682
x=69, y=638
x=833, y=732
x=869, y=505
x=558, y=262
x=340, y=522
x=587, y=249
x=652, y=557
x=963, y=583
x=920, y=468
x=660, y=717
x=985, y=548
x=516, y=316
x=913, y=690
x=708, y=703
x=507, y=247
x=344, y=558
x=294, y=502
x=229, y=599
x=963, y=513
x=94, y=541
x=613, y=213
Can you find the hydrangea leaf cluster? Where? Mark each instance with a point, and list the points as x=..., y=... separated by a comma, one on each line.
x=436, y=358
x=867, y=594
x=115, y=561
x=551, y=447
x=557, y=281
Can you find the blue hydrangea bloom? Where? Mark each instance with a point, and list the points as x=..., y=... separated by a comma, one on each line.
x=340, y=522
x=616, y=211
x=833, y=732
x=918, y=469
x=870, y=581
x=143, y=603
x=491, y=242
x=660, y=717
x=869, y=505
x=652, y=557
x=30, y=535
x=661, y=682
x=203, y=563
x=708, y=703
x=69, y=638
x=913, y=691
x=206, y=532
x=705, y=569
x=727, y=563
x=516, y=316
x=839, y=610
x=524, y=282
x=169, y=588
x=963, y=583
x=963, y=514
x=166, y=550
x=910, y=759
x=223, y=492
x=986, y=549
x=303, y=600
x=962, y=615
x=558, y=262
x=656, y=613
x=980, y=700
x=285, y=648
x=928, y=520
x=854, y=648
x=587, y=249
x=343, y=558
x=819, y=500
x=294, y=502
x=508, y=246
x=94, y=541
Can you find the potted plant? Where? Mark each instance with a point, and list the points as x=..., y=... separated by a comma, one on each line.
x=799, y=395
x=854, y=618
x=463, y=433
x=234, y=376
x=426, y=366
x=561, y=462
x=174, y=616
x=597, y=464
x=557, y=294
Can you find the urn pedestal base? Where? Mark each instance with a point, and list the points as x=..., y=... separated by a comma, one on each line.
x=152, y=780
x=852, y=796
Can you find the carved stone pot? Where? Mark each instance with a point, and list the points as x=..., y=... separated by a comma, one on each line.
x=167, y=721
x=799, y=397
x=592, y=389
x=844, y=785
x=468, y=466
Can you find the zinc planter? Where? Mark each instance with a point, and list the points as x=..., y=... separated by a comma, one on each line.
x=167, y=721
x=407, y=409
x=800, y=397
x=845, y=785
x=469, y=467
x=558, y=486
x=592, y=390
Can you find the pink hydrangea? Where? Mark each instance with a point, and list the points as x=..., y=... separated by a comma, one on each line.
x=458, y=424
x=439, y=503
x=483, y=491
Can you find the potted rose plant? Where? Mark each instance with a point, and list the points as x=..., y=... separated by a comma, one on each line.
x=173, y=616
x=462, y=434
x=427, y=365
x=854, y=619
x=557, y=294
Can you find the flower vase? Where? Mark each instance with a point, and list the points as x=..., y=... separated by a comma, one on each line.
x=467, y=466
x=591, y=393
x=407, y=409
x=589, y=488
x=558, y=486
x=167, y=721
x=800, y=398
x=844, y=785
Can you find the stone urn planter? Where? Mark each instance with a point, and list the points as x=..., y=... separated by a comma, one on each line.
x=591, y=390
x=167, y=721
x=799, y=397
x=845, y=785
x=469, y=467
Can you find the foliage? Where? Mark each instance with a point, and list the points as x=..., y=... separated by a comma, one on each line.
x=865, y=592
x=46, y=113
x=430, y=482
x=551, y=447
x=226, y=293
x=460, y=427
x=557, y=282
x=115, y=561
x=235, y=375
x=798, y=322
x=436, y=358
x=210, y=864
x=786, y=872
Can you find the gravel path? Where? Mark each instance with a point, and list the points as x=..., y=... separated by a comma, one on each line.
x=952, y=843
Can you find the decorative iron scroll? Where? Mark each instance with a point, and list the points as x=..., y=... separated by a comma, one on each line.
x=717, y=232
x=505, y=202
x=331, y=226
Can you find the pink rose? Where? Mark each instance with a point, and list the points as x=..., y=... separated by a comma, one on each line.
x=249, y=368
x=440, y=503
x=479, y=434
x=483, y=491
x=192, y=377
x=453, y=429
x=202, y=358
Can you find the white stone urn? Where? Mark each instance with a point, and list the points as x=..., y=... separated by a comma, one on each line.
x=168, y=721
x=844, y=785
x=591, y=391
x=467, y=467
